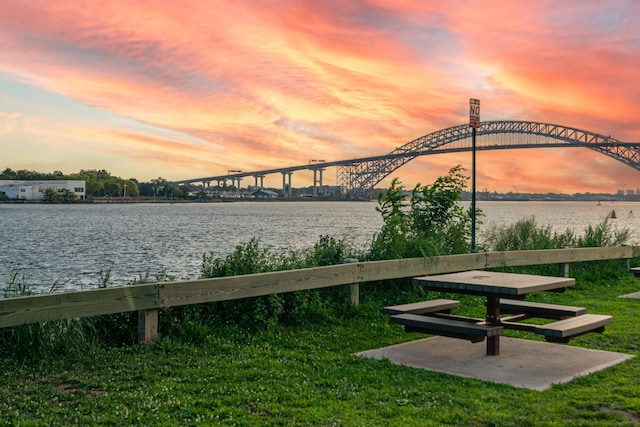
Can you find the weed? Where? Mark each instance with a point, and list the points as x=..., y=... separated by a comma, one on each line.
x=16, y=286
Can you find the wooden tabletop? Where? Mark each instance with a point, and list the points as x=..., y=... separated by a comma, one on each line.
x=493, y=283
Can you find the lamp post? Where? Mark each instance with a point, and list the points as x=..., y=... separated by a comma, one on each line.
x=474, y=123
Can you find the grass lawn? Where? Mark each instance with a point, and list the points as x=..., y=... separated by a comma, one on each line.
x=310, y=376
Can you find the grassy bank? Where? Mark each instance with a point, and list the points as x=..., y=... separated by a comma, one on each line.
x=203, y=374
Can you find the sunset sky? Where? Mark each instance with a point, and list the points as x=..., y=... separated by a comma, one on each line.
x=187, y=89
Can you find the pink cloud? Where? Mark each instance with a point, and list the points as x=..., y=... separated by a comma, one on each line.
x=270, y=84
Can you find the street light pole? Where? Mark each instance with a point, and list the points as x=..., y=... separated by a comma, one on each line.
x=473, y=189
x=474, y=123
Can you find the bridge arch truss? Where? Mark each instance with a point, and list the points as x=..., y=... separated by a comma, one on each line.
x=363, y=174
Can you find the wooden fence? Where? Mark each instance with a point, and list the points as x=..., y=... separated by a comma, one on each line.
x=147, y=299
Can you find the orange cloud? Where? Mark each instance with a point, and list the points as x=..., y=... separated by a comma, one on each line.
x=257, y=85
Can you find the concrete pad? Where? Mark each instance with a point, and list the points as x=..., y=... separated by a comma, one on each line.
x=521, y=363
x=635, y=295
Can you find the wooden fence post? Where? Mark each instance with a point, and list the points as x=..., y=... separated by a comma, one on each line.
x=148, y=321
x=563, y=269
x=627, y=262
x=148, y=325
x=352, y=290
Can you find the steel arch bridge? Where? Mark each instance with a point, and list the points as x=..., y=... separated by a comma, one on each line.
x=362, y=174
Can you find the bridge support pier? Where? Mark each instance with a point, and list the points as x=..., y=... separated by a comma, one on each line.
x=317, y=181
x=286, y=186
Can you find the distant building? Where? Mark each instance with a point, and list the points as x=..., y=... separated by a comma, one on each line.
x=34, y=190
x=331, y=190
x=264, y=194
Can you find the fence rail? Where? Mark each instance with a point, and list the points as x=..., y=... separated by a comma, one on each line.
x=147, y=299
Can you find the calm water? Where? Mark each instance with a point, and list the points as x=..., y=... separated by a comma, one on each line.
x=74, y=243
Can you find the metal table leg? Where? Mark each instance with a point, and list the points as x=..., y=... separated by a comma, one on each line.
x=493, y=318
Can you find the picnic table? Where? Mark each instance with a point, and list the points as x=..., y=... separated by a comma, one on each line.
x=504, y=293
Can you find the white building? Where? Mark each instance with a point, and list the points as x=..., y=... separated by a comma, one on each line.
x=34, y=190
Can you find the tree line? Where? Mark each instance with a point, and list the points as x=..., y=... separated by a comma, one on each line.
x=101, y=184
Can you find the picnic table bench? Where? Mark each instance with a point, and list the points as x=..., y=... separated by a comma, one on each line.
x=423, y=307
x=526, y=309
x=434, y=317
x=453, y=328
x=564, y=330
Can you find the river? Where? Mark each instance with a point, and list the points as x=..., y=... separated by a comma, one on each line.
x=72, y=245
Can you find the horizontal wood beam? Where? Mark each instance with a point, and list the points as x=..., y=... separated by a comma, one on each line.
x=236, y=287
x=68, y=305
x=40, y=308
x=556, y=256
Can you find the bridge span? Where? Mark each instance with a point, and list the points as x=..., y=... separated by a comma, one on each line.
x=360, y=174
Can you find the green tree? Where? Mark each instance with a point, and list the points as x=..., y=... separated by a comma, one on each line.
x=437, y=215
x=8, y=173
x=159, y=187
x=390, y=243
x=50, y=196
x=178, y=191
x=113, y=187
x=432, y=223
x=66, y=196
x=132, y=188
x=146, y=189
x=94, y=181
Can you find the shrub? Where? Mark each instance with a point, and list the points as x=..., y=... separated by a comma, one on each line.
x=432, y=223
x=603, y=235
x=526, y=234
x=270, y=310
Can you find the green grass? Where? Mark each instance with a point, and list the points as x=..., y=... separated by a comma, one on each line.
x=308, y=375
